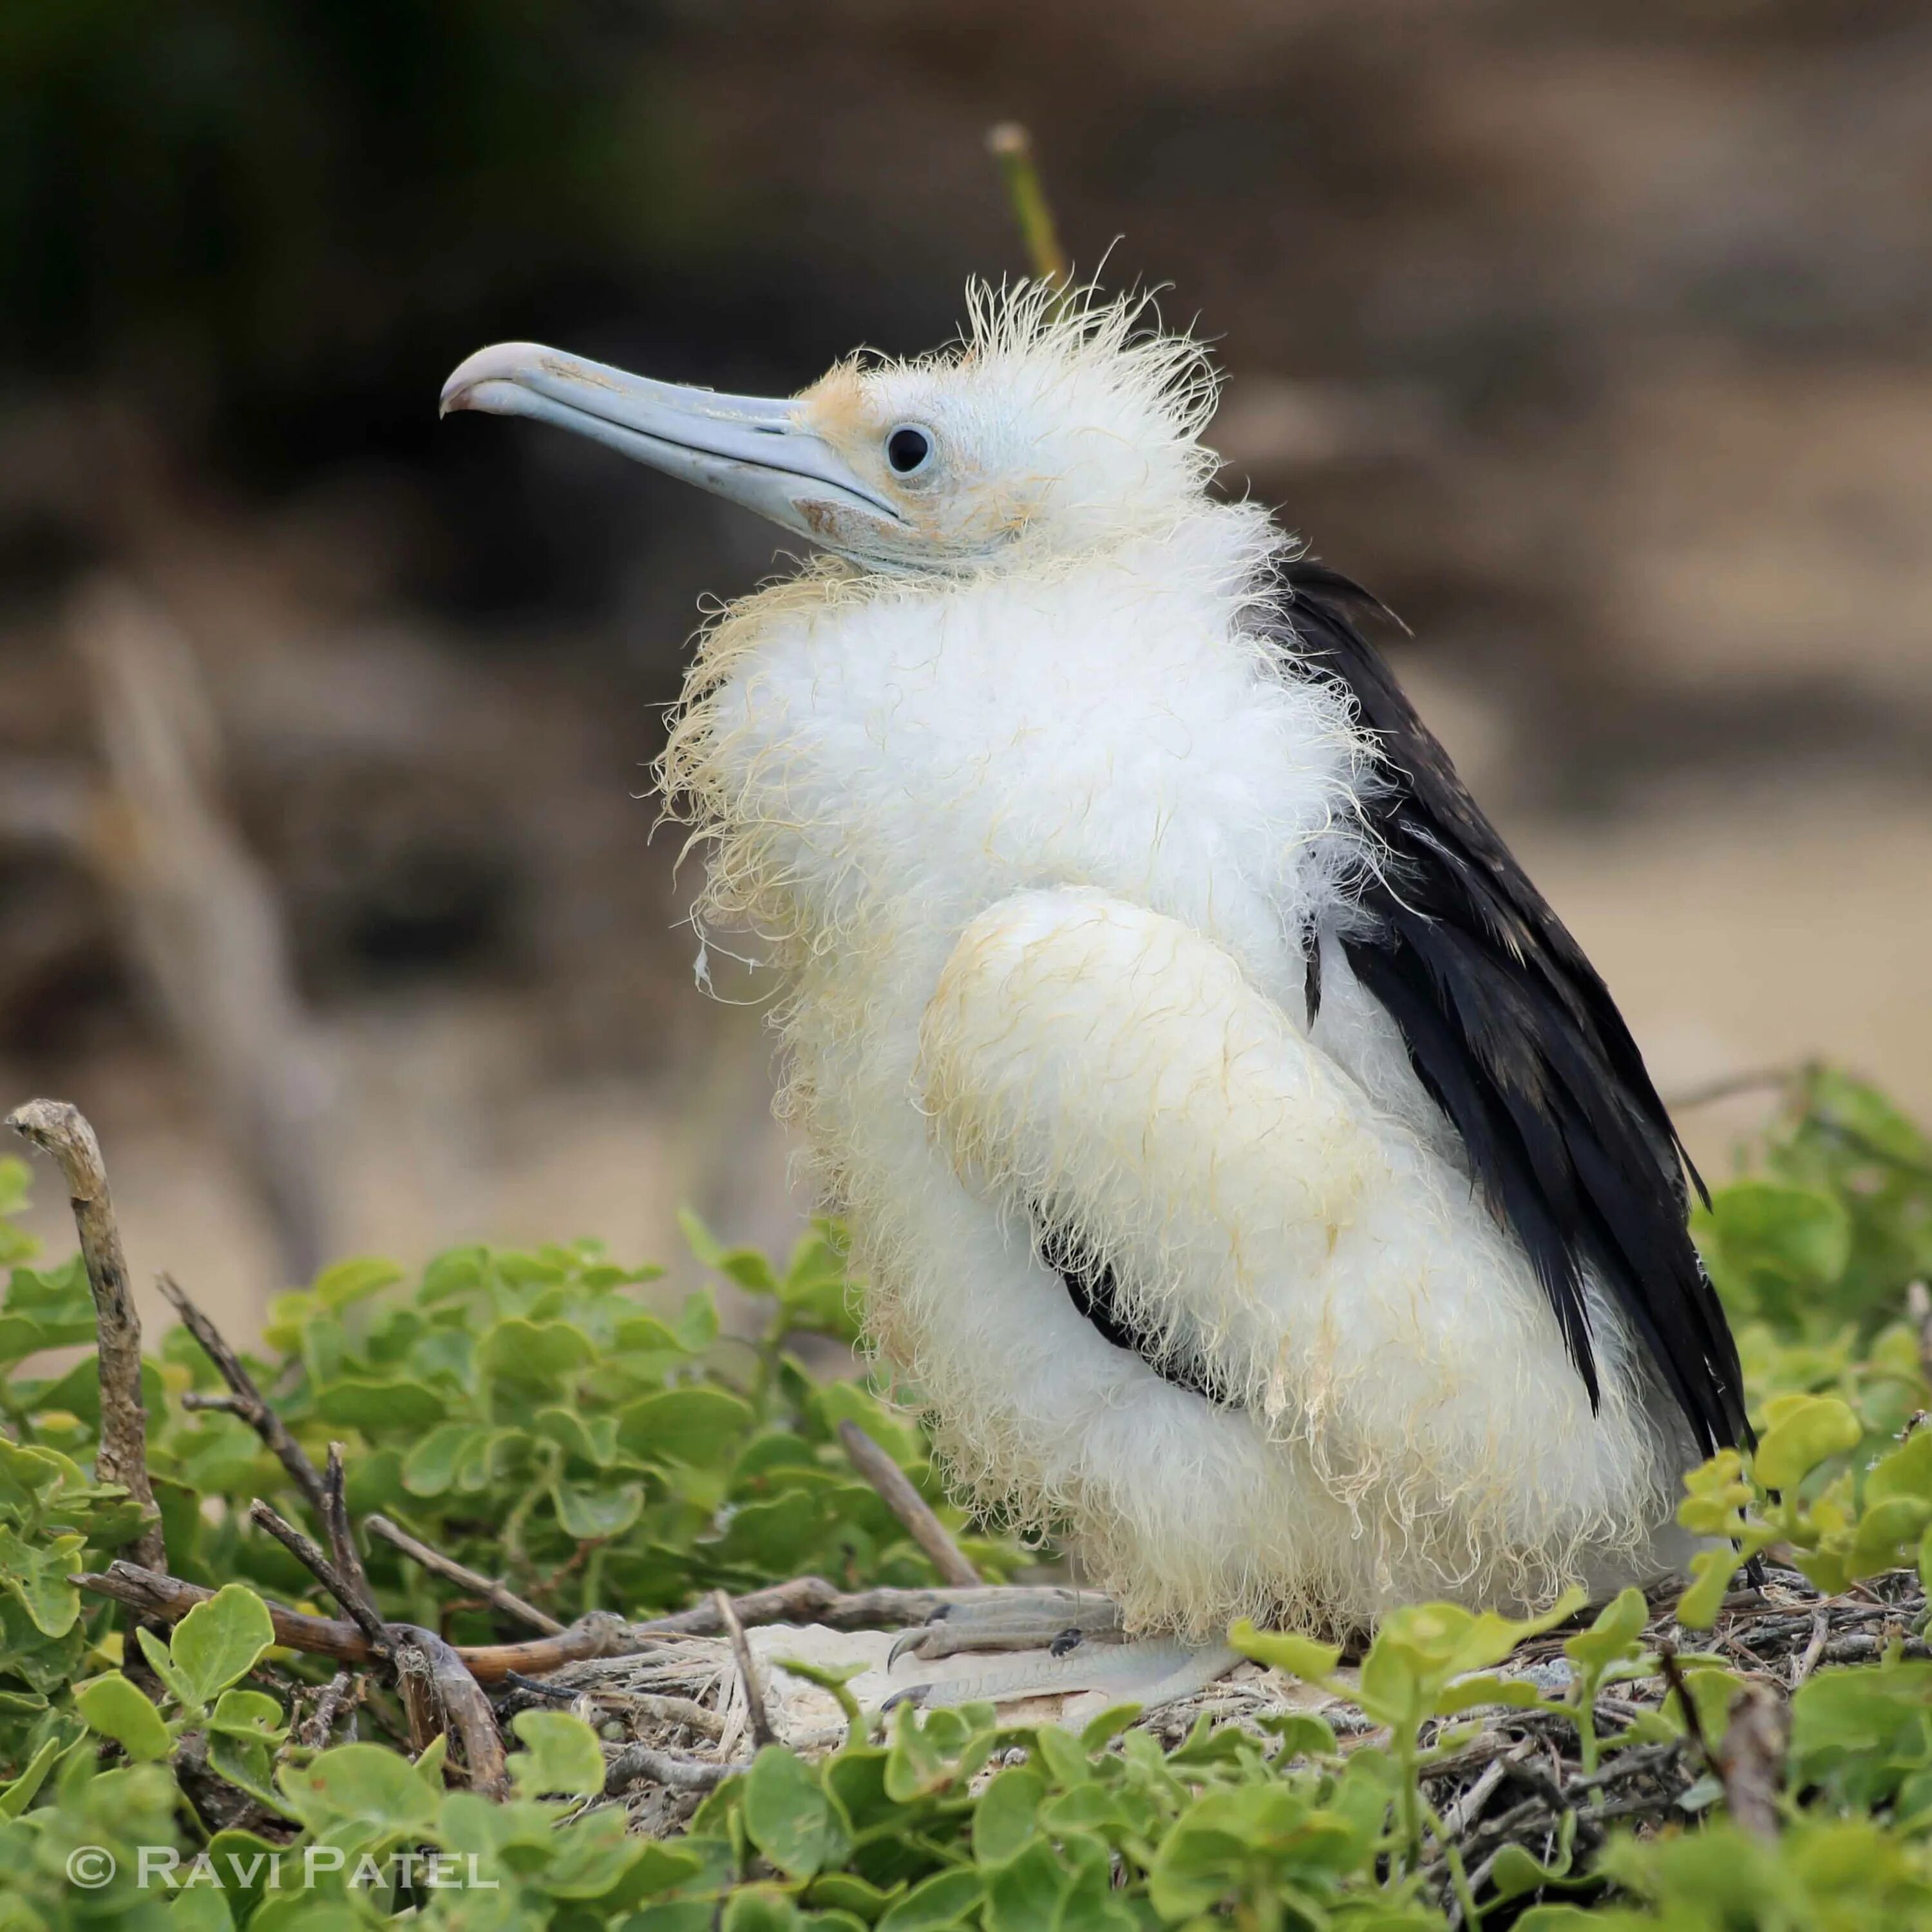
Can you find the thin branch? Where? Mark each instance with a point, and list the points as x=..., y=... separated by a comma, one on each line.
x=1011, y=146
x=309, y=1553
x=500, y=1595
x=636, y=1763
x=199, y=917
x=247, y=1403
x=341, y=1536
x=1751, y=1762
x=421, y=1653
x=195, y=1402
x=168, y=1599
x=1814, y=1649
x=758, y=1717
x=1687, y=1705
x=911, y=1507
x=1757, y=1080
x=61, y=1132
x=342, y=1691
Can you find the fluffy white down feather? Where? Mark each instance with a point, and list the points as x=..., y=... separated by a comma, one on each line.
x=1034, y=848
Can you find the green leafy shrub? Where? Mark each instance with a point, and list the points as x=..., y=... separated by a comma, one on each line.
x=535, y=1416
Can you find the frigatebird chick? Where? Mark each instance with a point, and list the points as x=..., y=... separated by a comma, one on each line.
x=1246, y=1168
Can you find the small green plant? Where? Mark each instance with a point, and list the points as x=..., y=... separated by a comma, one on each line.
x=540, y=1417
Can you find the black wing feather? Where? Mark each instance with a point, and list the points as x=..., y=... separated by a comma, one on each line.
x=1515, y=1038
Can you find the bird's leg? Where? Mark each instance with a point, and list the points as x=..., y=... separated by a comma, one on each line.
x=1052, y=1642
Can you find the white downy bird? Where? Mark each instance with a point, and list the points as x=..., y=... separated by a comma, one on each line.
x=1246, y=1168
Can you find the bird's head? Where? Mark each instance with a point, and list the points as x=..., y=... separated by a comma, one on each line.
x=1053, y=428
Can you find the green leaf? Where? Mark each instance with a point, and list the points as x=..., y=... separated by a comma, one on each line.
x=1803, y=1431
x=695, y=1425
x=220, y=1640
x=1773, y=1238
x=788, y=1816
x=592, y=1514
x=646, y=1335
x=29, y=1478
x=430, y=1468
x=16, y=1795
x=1712, y=1571
x=38, y=1574
x=534, y=1352
x=1005, y=1817
x=246, y=1763
x=560, y=1754
x=1283, y=1650
x=161, y=1662
x=115, y=1708
x=355, y=1280
x=758, y=1908
x=361, y=1784
x=253, y=1715
x=1616, y=1634
x=1023, y=1892
x=1906, y=1471
x=945, y=1899
x=378, y=1408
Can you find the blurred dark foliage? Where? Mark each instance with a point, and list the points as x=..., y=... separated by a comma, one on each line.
x=251, y=196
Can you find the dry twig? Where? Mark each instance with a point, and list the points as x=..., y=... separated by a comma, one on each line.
x=756, y=1716
x=309, y=1553
x=61, y=1132
x=246, y=1400
x=1751, y=1761
x=342, y=1691
x=911, y=1507
x=168, y=1599
x=500, y=1595
x=422, y=1655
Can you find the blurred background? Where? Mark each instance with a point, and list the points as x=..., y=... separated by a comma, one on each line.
x=1598, y=338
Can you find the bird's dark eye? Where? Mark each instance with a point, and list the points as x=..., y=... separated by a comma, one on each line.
x=908, y=450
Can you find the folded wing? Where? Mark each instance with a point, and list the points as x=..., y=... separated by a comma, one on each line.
x=1516, y=1039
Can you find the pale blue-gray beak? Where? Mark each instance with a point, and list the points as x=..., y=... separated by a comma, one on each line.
x=755, y=452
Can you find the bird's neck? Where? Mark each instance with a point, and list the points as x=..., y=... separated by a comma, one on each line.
x=877, y=759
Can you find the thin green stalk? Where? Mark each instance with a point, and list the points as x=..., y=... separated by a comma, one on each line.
x=1011, y=146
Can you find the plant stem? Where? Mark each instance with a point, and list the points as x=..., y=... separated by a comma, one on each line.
x=1011, y=146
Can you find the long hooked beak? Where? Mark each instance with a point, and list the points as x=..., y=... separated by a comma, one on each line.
x=752, y=451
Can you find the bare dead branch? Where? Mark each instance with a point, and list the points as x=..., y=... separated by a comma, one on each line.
x=758, y=1717
x=309, y=1553
x=343, y=1690
x=500, y=1595
x=248, y=1400
x=1756, y=1080
x=1751, y=1761
x=911, y=1507
x=1673, y=1675
x=61, y=1132
x=421, y=1654
x=201, y=922
x=1814, y=1649
x=168, y=1599
x=342, y=1548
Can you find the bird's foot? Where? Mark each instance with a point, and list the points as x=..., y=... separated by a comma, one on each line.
x=1058, y=1621
x=1053, y=1642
